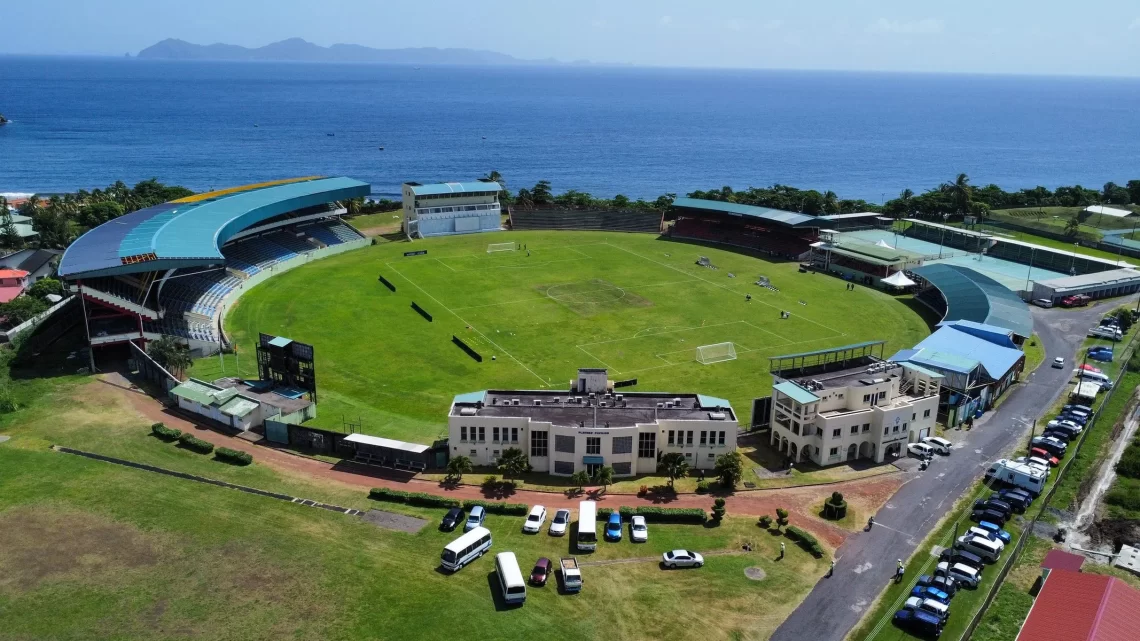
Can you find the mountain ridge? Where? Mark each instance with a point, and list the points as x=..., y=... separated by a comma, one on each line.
x=300, y=50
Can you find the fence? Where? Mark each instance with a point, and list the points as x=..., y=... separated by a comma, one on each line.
x=151, y=370
x=1027, y=531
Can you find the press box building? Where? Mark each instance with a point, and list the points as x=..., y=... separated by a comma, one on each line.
x=442, y=209
x=590, y=426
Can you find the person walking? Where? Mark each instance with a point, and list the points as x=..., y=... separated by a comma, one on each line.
x=831, y=569
x=899, y=570
x=782, y=549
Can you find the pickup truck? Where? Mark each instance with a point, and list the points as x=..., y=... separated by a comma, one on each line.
x=571, y=575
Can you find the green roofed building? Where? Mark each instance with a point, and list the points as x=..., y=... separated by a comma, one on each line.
x=233, y=403
x=864, y=262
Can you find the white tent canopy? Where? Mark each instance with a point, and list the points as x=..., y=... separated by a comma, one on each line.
x=1108, y=211
x=882, y=243
x=898, y=279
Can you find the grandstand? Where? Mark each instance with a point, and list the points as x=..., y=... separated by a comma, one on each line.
x=174, y=269
x=587, y=220
x=771, y=231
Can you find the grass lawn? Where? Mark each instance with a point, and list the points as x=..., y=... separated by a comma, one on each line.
x=384, y=219
x=1034, y=354
x=629, y=302
x=1001, y=232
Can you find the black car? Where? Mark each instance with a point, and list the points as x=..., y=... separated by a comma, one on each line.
x=954, y=555
x=1083, y=408
x=452, y=519
x=993, y=516
x=1018, y=499
x=995, y=505
x=1060, y=434
x=944, y=583
x=1050, y=446
x=1079, y=419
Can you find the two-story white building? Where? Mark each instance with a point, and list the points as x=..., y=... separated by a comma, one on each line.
x=590, y=426
x=441, y=209
x=871, y=411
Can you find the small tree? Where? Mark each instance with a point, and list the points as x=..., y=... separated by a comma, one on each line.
x=765, y=521
x=835, y=507
x=580, y=478
x=457, y=467
x=1073, y=226
x=45, y=286
x=171, y=354
x=513, y=462
x=1124, y=317
x=604, y=476
x=9, y=237
x=730, y=469
x=781, y=517
x=675, y=466
x=718, y=510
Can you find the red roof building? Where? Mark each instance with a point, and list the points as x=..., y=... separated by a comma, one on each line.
x=1062, y=560
x=1073, y=606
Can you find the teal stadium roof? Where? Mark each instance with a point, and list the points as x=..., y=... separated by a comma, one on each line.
x=797, y=393
x=973, y=296
x=789, y=218
x=439, y=189
x=191, y=231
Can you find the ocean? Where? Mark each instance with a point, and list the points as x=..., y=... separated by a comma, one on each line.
x=87, y=122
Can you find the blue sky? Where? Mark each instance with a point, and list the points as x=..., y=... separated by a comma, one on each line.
x=1091, y=37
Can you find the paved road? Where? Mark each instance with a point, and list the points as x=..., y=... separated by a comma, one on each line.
x=865, y=563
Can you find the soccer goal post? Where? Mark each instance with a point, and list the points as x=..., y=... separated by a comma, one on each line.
x=501, y=247
x=717, y=353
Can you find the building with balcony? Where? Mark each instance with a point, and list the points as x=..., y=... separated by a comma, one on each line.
x=869, y=411
x=442, y=209
x=590, y=426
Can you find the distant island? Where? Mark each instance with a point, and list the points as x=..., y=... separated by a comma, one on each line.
x=3, y=120
x=299, y=50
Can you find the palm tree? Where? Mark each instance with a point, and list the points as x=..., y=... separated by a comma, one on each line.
x=580, y=478
x=513, y=462
x=604, y=476
x=1073, y=226
x=171, y=354
x=457, y=467
x=830, y=202
x=961, y=192
x=675, y=466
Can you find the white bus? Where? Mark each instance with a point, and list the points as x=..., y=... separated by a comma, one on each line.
x=465, y=549
x=587, y=527
x=510, y=577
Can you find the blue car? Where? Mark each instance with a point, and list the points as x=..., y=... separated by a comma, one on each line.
x=930, y=592
x=919, y=622
x=1103, y=356
x=613, y=527
x=996, y=529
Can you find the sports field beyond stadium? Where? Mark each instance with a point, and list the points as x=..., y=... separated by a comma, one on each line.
x=629, y=302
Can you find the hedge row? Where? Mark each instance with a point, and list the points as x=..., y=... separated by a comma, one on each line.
x=234, y=456
x=498, y=507
x=164, y=432
x=430, y=500
x=198, y=445
x=804, y=539
x=659, y=514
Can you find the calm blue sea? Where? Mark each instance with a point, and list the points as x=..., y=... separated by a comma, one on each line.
x=83, y=123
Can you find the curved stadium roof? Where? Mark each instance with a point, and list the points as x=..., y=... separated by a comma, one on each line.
x=973, y=296
x=192, y=230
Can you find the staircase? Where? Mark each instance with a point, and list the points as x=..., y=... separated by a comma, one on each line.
x=118, y=302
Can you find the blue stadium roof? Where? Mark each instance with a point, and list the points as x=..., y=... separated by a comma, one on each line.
x=437, y=189
x=973, y=296
x=736, y=209
x=954, y=349
x=191, y=231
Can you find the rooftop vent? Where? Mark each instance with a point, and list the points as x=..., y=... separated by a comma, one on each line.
x=467, y=411
x=717, y=416
x=514, y=401
x=537, y=402
x=660, y=405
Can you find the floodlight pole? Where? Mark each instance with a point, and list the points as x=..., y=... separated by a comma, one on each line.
x=1032, y=251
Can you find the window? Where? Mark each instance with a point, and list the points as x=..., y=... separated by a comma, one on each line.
x=689, y=438
x=896, y=428
x=704, y=439
x=837, y=432
x=795, y=428
x=904, y=427
x=473, y=452
x=496, y=453
x=463, y=434
x=563, y=443
x=593, y=445
x=622, y=445
x=670, y=437
x=711, y=455
x=866, y=427
x=913, y=416
x=926, y=414
x=834, y=451
x=494, y=435
x=623, y=468
x=721, y=439
x=563, y=467
x=886, y=430
x=882, y=395
x=866, y=398
x=854, y=429
x=647, y=445
x=514, y=435
x=538, y=444
x=482, y=434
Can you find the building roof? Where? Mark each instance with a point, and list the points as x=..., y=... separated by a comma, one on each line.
x=439, y=189
x=789, y=218
x=951, y=228
x=191, y=231
x=1074, y=606
x=1096, y=279
x=953, y=348
x=948, y=361
x=573, y=409
x=13, y=273
x=1064, y=252
x=7, y=294
x=37, y=259
x=992, y=333
x=1109, y=211
x=710, y=402
x=228, y=400
x=918, y=368
x=876, y=254
x=388, y=443
x=795, y=392
x=861, y=214
x=1062, y=560
x=830, y=350
x=973, y=296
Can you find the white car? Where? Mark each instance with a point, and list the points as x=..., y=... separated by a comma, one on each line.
x=938, y=444
x=1058, y=363
x=963, y=574
x=978, y=532
x=1034, y=462
x=920, y=450
x=535, y=519
x=682, y=559
x=1043, y=302
x=559, y=523
x=638, y=532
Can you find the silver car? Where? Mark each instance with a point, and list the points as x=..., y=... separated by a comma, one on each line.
x=559, y=523
x=638, y=531
x=682, y=559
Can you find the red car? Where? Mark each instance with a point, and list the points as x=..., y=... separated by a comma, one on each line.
x=541, y=571
x=1040, y=453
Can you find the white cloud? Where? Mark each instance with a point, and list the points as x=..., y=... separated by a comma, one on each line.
x=1135, y=26
x=665, y=20
x=924, y=26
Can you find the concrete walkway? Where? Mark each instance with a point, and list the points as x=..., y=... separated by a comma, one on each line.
x=865, y=563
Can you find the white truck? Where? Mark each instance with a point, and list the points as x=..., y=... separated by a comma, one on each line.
x=1018, y=475
x=571, y=575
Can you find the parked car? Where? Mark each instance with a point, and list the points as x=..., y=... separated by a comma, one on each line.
x=1059, y=434
x=994, y=504
x=920, y=450
x=541, y=571
x=1043, y=302
x=940, y=610
x=1080, y=408
x=475, y=518
x=1019, y=499
x=1050, y=445
x=535, y=519
x=919, y=622
x=930, y=592
x=571, y=574
x=1110, y=333
x=965, y=557
x=1059, y=363
x=938, y=444
x=965, y=575
x=1076, y=420
x=559, y=523
x=638, y=531
x=993, y=516
x=1039, y=453
x=985, y=534
x=451, y=520
x=682, y=559
x=1002, y=535
x=982, y=548
x=613, y=527
x=944, y=583
x=1033, y=462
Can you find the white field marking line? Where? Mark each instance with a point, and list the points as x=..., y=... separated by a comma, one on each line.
x=724, y=287
x=443, y=263
x=607, y=365
x=497, y=346
x=521, y=266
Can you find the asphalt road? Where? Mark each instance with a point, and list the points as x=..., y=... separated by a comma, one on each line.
x=866, y=561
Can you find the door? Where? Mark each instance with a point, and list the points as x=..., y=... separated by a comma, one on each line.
x=923, y=433
x=592, y=468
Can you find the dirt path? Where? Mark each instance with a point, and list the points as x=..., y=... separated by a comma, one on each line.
x=871, y=492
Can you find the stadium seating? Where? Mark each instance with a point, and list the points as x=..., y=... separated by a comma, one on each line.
x=332, y=232
x=628, y=221
x=768, y=241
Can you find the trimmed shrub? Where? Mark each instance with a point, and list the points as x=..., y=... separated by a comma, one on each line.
x=412, y=498
x=781, y=517
x=718, y=510
x=805, y=540
x=765, y=522
x=192, y=442
x=605, y=512
x=703, y=487
x=499, y=507
x=835, y=508
x=234, y=456
x=672, y=514
x=164, y=432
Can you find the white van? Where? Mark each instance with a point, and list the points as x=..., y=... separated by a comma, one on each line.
x=1085, y=375
x=940, y=610
x=1110, y=333
x=1018, y=475
x=963, y=574
x=587, y=537
x=465, y=549
x=510, y=577
x=983, y=547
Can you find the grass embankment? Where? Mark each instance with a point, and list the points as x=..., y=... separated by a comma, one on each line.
x=381, y=222
x=1034, y=354
x=114, y=552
